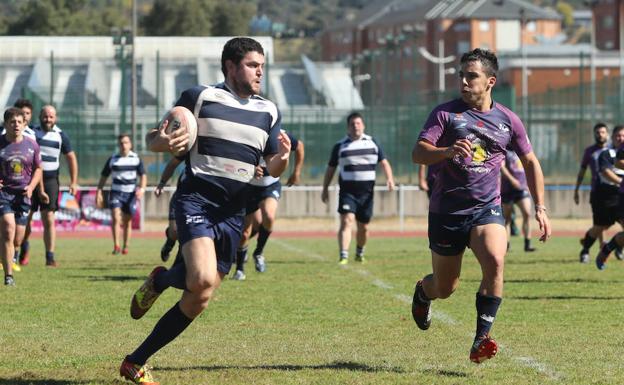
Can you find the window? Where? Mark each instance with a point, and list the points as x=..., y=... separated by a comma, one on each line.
x=607, y=21
x=463, y=46
x=531, y=26
x=484, y=26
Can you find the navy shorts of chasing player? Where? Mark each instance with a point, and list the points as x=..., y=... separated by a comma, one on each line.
x=51, y=188
x=196, y=217
x=449, y=234
x=12, y=201
x=514, y=196
x=360, y=204
x=126, y=201
x=259, y=193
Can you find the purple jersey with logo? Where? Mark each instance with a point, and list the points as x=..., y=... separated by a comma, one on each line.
x=465, y=186
x=17, y=162
x=515, y=168
x=590, y=158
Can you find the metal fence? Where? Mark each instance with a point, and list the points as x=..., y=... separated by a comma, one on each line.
x=559, y=124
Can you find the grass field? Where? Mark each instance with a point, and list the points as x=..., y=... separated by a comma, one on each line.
x=309, y=321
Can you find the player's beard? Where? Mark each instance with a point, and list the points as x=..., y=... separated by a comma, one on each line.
x=245, y=87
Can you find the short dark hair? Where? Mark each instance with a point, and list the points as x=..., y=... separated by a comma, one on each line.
x=487, y=58
x=354, y=115
x=22, y=102
x=12, y=112
x=124, y=135
x=235, y=49
x=600, y=125
x=617, y=129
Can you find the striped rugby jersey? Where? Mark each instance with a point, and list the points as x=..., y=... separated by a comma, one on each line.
x=28, y=132
x=233, y=134
x=53, y=143
x=356, y=161
x=125, y=171
x=267, y=179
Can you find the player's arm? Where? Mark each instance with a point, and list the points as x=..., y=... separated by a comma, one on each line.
x=535, y=181
x=579, y=180
x=72, y=162
x=277, y=163
x=43, y=196
x=329, y=175
x=385, y=165
x=299, y=156
x=426, y=153
x=159, y=141
x=611, y=176
x=507, y=175
x=172, y=165
x=99, y=197
x=142, y=184
x=36, y=178
x=422, y=178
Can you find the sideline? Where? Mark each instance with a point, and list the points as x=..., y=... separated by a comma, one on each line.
x=443, y=317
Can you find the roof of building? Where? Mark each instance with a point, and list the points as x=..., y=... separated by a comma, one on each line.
x=489, y=9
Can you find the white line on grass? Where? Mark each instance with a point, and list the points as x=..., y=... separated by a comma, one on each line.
x=529, y=362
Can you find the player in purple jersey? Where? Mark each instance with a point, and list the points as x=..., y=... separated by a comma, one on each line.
x=236, y=127
x=468, y=137
x=20, y=172
x=514, y=190
x=590, y=159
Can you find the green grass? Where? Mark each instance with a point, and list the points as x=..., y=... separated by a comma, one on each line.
x=309, y=321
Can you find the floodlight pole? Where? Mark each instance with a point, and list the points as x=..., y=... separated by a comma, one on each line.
x=440, y=61
x=133, y=75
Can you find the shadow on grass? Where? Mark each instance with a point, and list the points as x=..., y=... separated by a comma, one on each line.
x=565, y=297
x=561, y=280
x=338, y=365
x=22, y=381
x=445, y=373
x=108, y=278
x=511, y=261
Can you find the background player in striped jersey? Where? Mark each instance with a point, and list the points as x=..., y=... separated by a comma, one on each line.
x=356, y=156
x=20, y=171
x=53, y=142
x=261, y=209
x=236, y=127
x=126, y=168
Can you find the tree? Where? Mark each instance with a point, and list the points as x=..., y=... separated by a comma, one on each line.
x=566, y=11
x=232, y=19
x=179, y=18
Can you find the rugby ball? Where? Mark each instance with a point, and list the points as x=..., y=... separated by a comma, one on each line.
x=181, y=117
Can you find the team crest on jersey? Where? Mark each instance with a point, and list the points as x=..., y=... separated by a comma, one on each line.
x=242, y=172
x=479, y=152
x=503, y=127
x=261, y=105
x=16, y=166
x=459, y=117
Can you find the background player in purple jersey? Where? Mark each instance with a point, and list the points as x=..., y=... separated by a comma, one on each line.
x=20, y=172
x=514, y=190
x=599, y=224
x=468, y=137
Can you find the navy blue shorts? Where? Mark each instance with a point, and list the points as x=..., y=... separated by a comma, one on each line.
x=450, y=234
x=361, y=205
x=259, y=193
x=51, y=187
x=17, y=203
x=123, y=200
x=195, y=218
x=514, y=196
